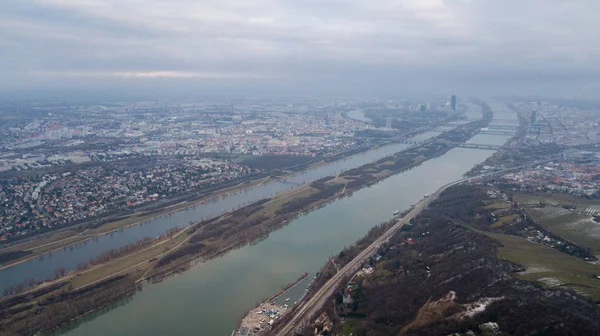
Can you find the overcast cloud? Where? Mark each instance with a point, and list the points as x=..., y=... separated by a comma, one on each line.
x=308, y=41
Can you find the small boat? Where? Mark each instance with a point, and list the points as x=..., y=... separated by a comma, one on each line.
x=426, y=195
x=288, y=299
x=396, y=212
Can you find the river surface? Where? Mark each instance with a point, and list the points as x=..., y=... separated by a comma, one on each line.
x=359, y=115
x=503, y=116
x=211, y=297
x=43, y=267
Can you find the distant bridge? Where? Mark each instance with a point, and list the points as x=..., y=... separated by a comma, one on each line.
x=461, y=145
x=503, y=127
x=480, y=146
x=494, y=119
x=487, y=131
x=497, y=132
x=490, y=127
x=411, y=142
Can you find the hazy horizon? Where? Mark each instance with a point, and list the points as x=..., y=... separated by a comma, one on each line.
x=182, y=47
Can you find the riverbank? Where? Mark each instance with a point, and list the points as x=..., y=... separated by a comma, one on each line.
x=229, y=224
x=70, y=258
x=214, y=238
x=236, y=281
x=76, y=235
x=259, y=318
x=435, y=266
x=58, y=241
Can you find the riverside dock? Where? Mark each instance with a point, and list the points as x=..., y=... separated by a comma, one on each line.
x=262, y=317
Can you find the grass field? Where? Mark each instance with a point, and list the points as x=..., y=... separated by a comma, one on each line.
x=503, y=220
x=127, y=262
x=495, y=206
x=142, y=257
x=549, y=267
x=285, y=197
x=574, y=226
x=555, y=199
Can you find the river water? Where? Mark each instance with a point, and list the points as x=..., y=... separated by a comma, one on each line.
x=359, y=115
x=211, y=297
x=44, y=266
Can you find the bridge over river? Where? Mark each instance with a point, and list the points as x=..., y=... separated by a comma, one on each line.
x=461, y=145
x=489, y=131
x=465, y=118
x=489, y=127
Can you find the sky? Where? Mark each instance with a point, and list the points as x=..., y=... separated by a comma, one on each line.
x=299, y=44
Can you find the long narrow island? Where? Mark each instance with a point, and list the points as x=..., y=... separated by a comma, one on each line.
x=122, y=273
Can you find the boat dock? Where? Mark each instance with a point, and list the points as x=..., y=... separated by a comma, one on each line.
x=263, y=316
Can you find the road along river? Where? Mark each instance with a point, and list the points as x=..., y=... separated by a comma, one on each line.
x=43, y=267
x=209, y=298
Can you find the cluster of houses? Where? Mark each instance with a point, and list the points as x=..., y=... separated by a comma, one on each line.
x=62, y=198
x=581, y=179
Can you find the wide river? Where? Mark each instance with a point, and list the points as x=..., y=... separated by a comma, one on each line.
x=358, y=115
x=210, y=298
x=43, y=267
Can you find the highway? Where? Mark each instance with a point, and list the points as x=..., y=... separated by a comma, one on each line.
x=310, y=307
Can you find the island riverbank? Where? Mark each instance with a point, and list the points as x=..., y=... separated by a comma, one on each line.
x=66, y=238
x=347, y=182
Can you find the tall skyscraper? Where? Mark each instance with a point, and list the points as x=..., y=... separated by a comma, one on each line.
x=533, y=118
x=453, y=102
x=388, y=122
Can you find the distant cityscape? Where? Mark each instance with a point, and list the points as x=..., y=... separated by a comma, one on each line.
x=63, y=164
x=561, y=124
x=72, y=176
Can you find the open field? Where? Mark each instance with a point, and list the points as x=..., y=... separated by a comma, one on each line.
x=496, y=206
x=122, y=264
x=549, y=267
x=575, y=226
x=277, y=202
x=555, y=199
x=503, y=220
